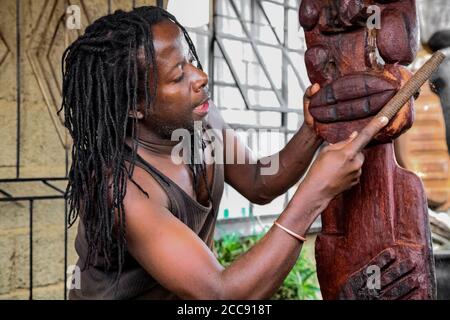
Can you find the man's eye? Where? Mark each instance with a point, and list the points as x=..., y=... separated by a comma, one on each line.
x=180, y=78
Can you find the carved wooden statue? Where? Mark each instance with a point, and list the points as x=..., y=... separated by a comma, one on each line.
x=381, y=225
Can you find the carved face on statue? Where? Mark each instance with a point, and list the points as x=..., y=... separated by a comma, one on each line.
x=356, y=49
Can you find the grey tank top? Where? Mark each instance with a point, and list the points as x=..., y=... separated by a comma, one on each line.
x=135, y=283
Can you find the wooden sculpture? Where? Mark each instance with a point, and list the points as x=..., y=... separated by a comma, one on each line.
x=381, y=224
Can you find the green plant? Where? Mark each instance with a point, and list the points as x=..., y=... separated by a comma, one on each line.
x=300, y=284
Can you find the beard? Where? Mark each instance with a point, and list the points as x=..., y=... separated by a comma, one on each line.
x=165, y=127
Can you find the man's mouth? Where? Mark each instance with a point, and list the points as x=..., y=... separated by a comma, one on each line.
x=202, y=109
x=352, y=97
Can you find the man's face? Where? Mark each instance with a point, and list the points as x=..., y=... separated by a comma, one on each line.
x=359, y=68
x=181, y=88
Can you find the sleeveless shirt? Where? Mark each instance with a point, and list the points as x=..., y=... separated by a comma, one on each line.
x=135, y=282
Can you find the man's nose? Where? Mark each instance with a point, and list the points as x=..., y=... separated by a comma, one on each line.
x=200, y=80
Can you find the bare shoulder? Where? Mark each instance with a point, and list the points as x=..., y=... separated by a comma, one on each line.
x=154, y=193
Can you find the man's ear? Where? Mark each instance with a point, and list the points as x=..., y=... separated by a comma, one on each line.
x=136, y=114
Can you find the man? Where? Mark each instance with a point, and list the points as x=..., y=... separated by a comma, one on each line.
x=147, y=222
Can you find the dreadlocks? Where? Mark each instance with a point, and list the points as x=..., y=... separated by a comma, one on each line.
x=102, y=71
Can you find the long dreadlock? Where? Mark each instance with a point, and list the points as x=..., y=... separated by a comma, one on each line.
x=96, y=108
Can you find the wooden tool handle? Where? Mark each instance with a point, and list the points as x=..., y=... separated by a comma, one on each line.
x=412, y=86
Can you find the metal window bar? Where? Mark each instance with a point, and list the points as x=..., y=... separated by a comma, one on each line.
x=229, y=36
x=239, y=85
x=31, y=249
x=18, y=86
x=31, y=200
x=283, y=45
x=220, y=36
x=282, y=96
x=257, y=54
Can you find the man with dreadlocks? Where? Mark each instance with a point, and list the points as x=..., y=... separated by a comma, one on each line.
x=146, y=222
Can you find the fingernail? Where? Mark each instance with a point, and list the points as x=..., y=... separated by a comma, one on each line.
x=383, y=120
x=354, y=134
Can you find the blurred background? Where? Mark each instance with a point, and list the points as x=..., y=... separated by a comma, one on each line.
x=253, y=51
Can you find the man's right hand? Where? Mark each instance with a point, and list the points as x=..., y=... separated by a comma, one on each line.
x=338, y=166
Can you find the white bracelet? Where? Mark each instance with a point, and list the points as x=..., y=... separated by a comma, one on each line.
x=292, y=233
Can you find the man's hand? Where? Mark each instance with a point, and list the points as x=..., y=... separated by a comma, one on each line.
x=312, y=90
x=338, y=166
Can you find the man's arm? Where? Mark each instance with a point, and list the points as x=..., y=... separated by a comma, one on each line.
x=177, y=258
x=181, y=262
x=292, y=162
